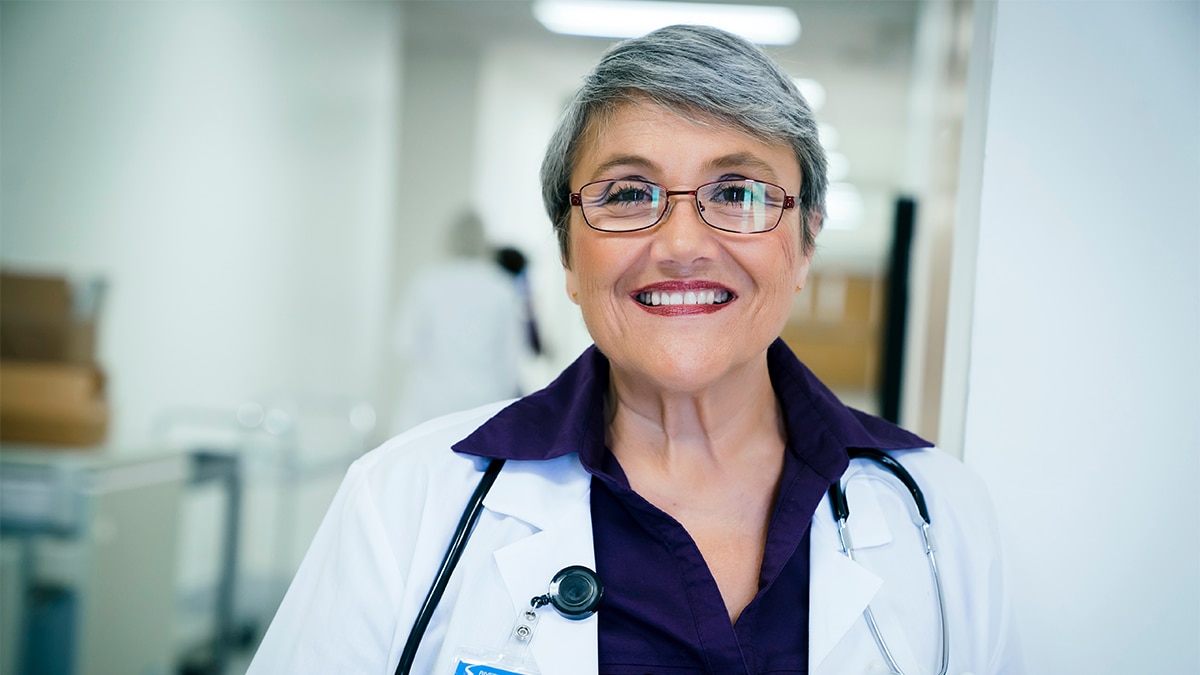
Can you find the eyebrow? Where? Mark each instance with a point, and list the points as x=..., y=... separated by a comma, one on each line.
x=745, y=160
x=625, y=160
x=737, y=160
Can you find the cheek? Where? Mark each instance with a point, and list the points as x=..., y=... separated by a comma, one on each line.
x=797, y=263
x=792, y=265
x=590, y=274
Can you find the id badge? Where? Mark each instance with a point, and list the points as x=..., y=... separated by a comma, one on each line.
x=495, y=663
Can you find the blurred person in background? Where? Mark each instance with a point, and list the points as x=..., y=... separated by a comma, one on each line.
x=667, y=504
x=515, y=263
x=460, y=335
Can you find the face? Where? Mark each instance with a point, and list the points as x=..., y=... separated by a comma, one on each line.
x=743, y=283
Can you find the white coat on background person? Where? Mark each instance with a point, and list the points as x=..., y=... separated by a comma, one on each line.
x=357, y=593
x=459, y=334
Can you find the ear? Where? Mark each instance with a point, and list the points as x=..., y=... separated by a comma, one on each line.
x=572, y=282
x=806, y=258
x=802, y=267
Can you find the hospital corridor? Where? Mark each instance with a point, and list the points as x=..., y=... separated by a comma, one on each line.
x=244, y=243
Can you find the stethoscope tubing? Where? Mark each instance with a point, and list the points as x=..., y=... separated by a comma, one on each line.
x=458, y=544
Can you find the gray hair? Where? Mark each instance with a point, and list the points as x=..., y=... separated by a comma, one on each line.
x=705, y=75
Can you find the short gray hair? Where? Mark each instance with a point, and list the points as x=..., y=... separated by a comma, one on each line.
x=706, y=75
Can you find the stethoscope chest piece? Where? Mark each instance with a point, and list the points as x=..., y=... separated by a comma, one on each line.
x=575, y=592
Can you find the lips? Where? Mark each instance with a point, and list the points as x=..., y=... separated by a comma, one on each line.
x=683, y=297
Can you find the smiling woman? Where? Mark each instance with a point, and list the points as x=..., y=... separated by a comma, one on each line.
x=686, y=457
x=756, y=272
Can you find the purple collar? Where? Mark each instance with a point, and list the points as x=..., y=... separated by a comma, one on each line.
x=568, y=416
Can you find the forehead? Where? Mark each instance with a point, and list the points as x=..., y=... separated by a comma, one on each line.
x=641, y=132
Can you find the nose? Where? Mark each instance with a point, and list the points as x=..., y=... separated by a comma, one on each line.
x=682, y=235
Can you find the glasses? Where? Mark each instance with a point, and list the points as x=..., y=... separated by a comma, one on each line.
x=742, y=206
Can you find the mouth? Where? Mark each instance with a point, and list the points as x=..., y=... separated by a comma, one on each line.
x=676, y=298
x=711, y=296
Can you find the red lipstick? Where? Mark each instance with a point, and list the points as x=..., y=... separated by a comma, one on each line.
x=683, y=298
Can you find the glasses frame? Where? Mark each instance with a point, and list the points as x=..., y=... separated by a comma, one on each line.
x=789, y=202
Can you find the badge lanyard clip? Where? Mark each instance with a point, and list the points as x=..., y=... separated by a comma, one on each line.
x=512, y=659
x=575, y=592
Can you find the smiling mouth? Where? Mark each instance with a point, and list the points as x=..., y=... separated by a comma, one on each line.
x=673, y=298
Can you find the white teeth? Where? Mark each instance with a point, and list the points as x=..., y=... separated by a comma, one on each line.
x=709, y=297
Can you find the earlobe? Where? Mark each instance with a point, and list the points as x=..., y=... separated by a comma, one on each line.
x=802, y=271
x=572, y=284
x=801, y=278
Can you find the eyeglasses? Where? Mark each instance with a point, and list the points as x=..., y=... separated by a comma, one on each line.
x=743, y=206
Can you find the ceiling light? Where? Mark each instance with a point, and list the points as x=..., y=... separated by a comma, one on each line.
x=633, y=18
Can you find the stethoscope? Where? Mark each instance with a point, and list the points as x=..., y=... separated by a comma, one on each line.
x=576, y=591
x=841, y=513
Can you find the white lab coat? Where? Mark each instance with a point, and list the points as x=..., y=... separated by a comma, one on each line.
x=358, y=590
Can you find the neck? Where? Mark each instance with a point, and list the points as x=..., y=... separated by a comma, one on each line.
x=731, y=421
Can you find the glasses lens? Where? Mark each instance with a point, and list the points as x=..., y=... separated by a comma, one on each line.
x=622, y=205
x=741, y=205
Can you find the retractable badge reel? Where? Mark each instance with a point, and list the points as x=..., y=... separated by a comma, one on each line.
x=574, y=591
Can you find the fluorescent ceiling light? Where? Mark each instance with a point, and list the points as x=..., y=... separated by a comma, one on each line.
x=633, y=18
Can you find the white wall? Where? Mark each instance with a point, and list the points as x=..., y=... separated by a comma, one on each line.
x=229, y=168
x=1083, y=380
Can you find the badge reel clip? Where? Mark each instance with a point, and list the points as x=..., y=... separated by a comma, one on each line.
x=575, y=592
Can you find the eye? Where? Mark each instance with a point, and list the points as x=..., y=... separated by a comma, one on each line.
x=737, y=193
x=629, y=193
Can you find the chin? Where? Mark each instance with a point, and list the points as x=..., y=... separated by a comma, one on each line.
x=682, y=365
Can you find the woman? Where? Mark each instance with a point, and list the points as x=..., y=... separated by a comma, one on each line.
x=685, y=458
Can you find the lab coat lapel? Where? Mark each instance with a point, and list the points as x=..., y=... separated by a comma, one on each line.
x=839, y=588
x=553, y=497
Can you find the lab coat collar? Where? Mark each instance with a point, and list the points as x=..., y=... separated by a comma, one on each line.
x=542, y=493
x=839, y=589
x=553, y=497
